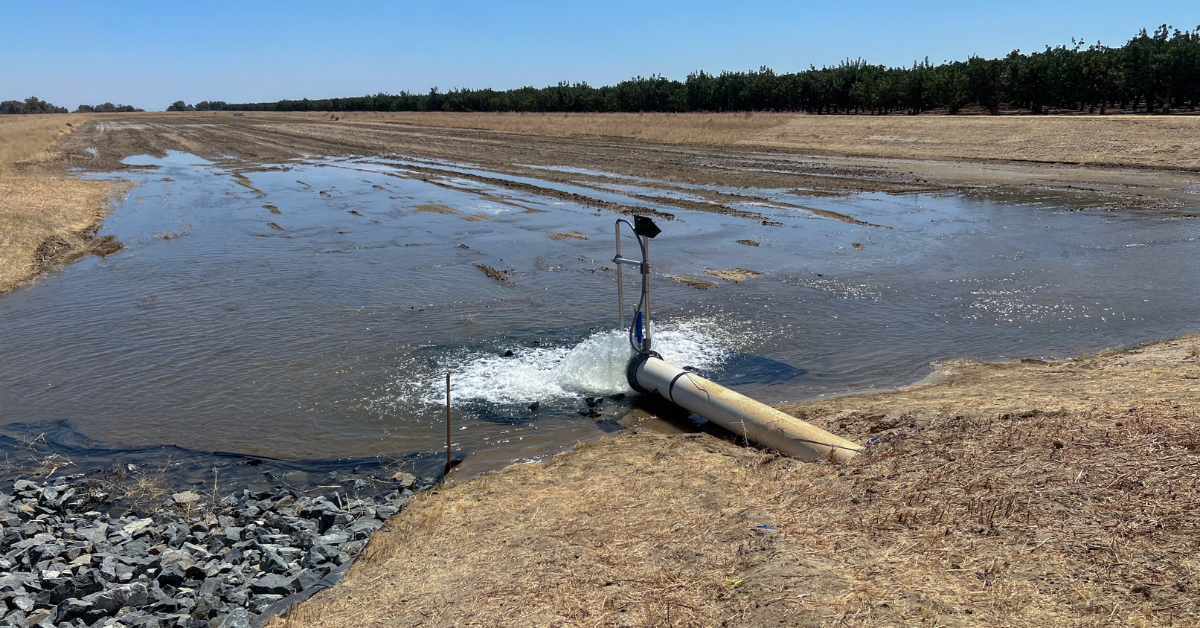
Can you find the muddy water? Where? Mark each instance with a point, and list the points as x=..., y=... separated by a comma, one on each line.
x=312, y=311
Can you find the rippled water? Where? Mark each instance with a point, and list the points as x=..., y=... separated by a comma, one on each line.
x=326, y=329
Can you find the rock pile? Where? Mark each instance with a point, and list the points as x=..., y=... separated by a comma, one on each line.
x=190, y=564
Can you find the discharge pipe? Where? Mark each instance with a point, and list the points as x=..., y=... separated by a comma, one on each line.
x=757, y=422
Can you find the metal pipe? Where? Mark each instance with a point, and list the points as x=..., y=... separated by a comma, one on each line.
x=737, y=413
x=620, y=282
x=646, y=290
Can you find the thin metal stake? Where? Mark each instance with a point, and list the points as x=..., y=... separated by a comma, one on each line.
x=447, y=422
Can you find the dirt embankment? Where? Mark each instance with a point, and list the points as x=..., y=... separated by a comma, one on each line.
x=47, y=218
x=1019, y=494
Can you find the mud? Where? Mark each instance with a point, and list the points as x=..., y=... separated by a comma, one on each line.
x=572, y=235
x=699, y=284
x=733, y=274
x=623, y=162
x=498, y=275
x=57, y=251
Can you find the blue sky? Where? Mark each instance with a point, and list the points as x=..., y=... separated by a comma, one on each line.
x=150, y=54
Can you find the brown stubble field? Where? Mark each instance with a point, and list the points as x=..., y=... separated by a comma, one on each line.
x=47, y=217
x=1170, y=142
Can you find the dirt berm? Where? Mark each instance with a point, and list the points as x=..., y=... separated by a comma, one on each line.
x=1020, y=494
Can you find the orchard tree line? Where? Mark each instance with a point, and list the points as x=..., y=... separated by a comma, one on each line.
x=35, y=105
x=1154, y=72
x=107, y=108
x=179, y=105
x=30, y=105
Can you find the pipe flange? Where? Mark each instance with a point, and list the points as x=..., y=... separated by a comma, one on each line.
x=631, y=369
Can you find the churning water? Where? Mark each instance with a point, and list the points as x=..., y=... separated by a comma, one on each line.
x=593, y=367
x=313, y=311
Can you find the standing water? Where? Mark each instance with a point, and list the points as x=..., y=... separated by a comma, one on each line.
x=313, y=310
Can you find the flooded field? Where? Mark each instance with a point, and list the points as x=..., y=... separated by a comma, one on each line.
x=312, y=310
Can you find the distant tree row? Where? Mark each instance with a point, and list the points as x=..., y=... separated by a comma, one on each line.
x=1153, y=72
x=34, y=105
x=216, y=105
x=107, y=108
x=30, y=105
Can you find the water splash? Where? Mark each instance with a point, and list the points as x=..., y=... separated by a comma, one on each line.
x=594, y=366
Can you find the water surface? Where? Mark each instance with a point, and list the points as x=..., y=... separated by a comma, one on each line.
x=326, y=329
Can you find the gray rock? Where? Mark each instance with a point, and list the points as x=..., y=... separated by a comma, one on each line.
x=114, y=599
x=186, y=497
x=234, y=556
x=239, y=618
x=56, y=595
x=88, y=582
x=172, y=575
x=310, y=577
x=237, y=596
x=273, y=563
x=45, y=551
x=144, y=621
x=353, y=548
x=210, y=586
x=71, y=609
x=364, y=528
x=138, y=527
x=259, y=603
x=41, y=615
x=333, y=538
x=206, y=607
x=16, y=619
x=273, y=584
x=232, y=534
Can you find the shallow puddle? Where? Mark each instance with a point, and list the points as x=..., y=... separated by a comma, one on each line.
x=312, y=311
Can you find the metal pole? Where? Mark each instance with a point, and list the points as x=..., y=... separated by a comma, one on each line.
x=447, y=422
x=620, y=284
x=646, y=289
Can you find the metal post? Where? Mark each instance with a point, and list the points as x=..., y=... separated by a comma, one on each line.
x=646, y=289
x=620, y=284
x=447, y=422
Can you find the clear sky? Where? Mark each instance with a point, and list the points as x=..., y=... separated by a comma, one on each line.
x=149, y=54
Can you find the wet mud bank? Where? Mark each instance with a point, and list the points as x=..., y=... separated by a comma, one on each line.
x=158, y=537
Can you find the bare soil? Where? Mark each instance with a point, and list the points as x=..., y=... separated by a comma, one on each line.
x=751, y=162
x=1020, y=494
x=693, y=282
x=733, y=274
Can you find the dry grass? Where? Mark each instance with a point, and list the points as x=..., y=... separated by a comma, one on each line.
x=1082, y=515
x=47, y=219
x=28, y=138
x=1115, y=140
x=673, y=128
x=1155, y=142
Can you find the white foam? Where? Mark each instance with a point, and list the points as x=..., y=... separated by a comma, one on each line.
x=595, y=366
